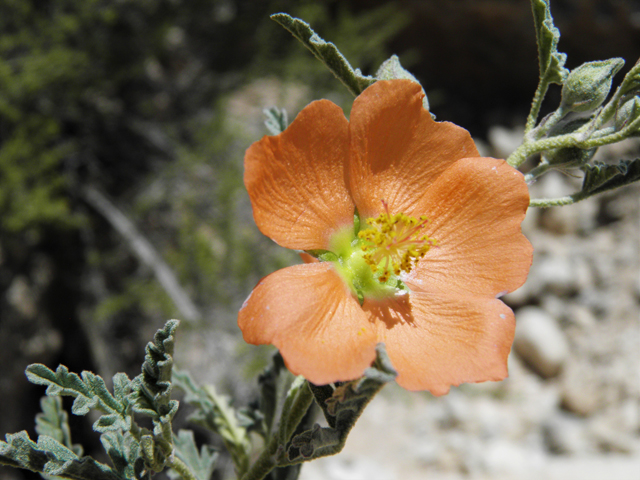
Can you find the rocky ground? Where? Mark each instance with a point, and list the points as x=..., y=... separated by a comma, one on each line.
x=570, y=408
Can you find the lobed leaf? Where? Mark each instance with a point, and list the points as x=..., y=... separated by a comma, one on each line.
x=601, y=177
x=50, y=457
x=53, y=422
x=214, y=412
x=276, y=121
x=124, y=451
x=326, y=52
x=551, y=62
x=151, y=390
x=342, y=405
x=90, y=392
x=203, y=463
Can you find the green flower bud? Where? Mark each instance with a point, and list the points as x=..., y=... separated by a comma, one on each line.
x=569, y=157
x=587, y=87
x=627, y=113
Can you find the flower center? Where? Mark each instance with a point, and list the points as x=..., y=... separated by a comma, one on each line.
x=371, y=260
x=394, y=243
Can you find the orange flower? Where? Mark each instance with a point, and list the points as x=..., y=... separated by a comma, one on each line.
x=439, y=242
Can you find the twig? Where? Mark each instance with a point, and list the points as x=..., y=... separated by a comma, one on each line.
x=145, y=252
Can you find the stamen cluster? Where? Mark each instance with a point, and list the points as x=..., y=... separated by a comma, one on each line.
x=394, y=243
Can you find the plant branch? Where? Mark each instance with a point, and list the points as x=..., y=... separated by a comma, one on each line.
x=144, y=251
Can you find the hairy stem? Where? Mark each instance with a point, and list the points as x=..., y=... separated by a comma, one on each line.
x=536, y=104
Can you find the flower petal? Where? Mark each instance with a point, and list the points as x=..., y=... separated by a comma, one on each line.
x=296, y=179
x=310, y=315
x=435, y=341
x=475, y=207
x=397, y=150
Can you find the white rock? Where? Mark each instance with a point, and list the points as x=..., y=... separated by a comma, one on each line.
x=566, y=434
x=540, y=342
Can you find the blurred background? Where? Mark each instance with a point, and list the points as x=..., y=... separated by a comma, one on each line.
x=123, y=126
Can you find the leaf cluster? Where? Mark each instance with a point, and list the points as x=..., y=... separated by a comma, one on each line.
x=135, y=452
x=585, y=120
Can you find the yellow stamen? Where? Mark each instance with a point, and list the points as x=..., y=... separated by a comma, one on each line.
x=394, y=243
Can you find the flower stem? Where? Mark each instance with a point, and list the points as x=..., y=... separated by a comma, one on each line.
x=270, y=456
x=536, y=172
x=538, y=97
x=558, y=202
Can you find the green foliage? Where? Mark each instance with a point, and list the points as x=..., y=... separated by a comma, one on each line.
x=133, y=450
x=326, y=52
x=566, y=142
x=215, y=413
x=342, y=405
x=601, y=177
x=551, y=61
x=201, y=464
x=54, y=422
x=51, y=458
x=90, y=393
x=276, y=121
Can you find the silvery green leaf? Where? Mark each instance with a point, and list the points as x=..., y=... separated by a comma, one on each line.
x=627, y=113
x=551, y=62
x=276, y=121
x=124, y=451
x=54, y=422
x=342, y=405
x=391, y=70
x=90, y=392
x=203, y=463
x=215, y=412
x=51, y=458
x=601, y=177
x=151, y=390
x=326, y=52
x=631, y=83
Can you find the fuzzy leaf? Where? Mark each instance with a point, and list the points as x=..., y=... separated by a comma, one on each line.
x=276, y=121
x=124, y=452
x=551, y=62
x=342, y=405
x=203, y=463
x=601, y=177
x=631, y=82
x=51, y=458
x=215, y=413
x=271, y=390
x=54, y=422
x=391, y=70
x=152, y=388
x=90, y=392
x=326, y=52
